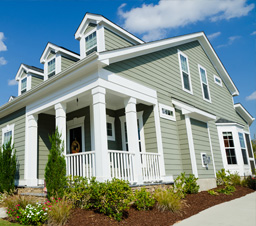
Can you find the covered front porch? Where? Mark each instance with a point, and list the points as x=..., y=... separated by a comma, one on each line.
x=108, y=132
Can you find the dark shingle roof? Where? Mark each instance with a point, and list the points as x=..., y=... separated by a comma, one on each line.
x=34, y=68
x=222, y=120
x=64, y=48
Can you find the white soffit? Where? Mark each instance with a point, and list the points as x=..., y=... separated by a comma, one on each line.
x=244, y=113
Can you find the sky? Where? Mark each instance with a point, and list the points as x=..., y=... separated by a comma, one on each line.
x=230, y=25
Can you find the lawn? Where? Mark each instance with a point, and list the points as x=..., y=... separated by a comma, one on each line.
x=7, y=223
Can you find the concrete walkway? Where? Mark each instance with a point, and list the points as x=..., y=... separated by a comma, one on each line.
x=238, y=212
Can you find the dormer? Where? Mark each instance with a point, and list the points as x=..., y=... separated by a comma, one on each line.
x=96, y=33
x=56, y=59
x=28, y=77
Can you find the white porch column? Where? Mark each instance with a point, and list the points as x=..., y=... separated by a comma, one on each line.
x=132, y=136
x=100, y=134
x=61, y=123
x=32, y=145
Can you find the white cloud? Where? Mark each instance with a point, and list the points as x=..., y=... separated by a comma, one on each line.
x=252, y=96
x=12, y=82
x=231, y=40
x=2, y=45
x=214, y=35
x=3, y=61
x=253, y=33
x=152, y=21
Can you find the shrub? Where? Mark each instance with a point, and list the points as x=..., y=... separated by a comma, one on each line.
x=55, y=171
x=227, y=190
x=7, y=167
x=249, y=182
x=167, y=200
x=13, y=201
x=212, y=192
x=78, y=192
x=222, y=177
x=3, y=197
x=186, y=185
x=143, y=199
x=58, y=211
x=30, y=215
x=235, y=179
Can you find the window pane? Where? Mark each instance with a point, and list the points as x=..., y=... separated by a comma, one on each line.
x=109, y=129
x=248, y=143
x=186, y=81
x=206, y=94
x=24, y=83
x=244, y=156
x=184, y=65
x=91, y=42
x=203, y=75
x=7, y=137
x=241, y=139
x=51, y=66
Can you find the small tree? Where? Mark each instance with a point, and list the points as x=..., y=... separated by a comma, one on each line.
x=55, y=171
x=7, y=167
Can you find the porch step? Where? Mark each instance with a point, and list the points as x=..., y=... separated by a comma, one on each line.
x=34, y=194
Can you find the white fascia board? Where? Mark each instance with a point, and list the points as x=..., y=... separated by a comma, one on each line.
x=27, y=70
x=56, y=49
x=193, y=112
x=229, y=124
x=244, y=113
x=100, y=19
x=21, y=101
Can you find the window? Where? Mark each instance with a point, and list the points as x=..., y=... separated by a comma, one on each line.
x=111, y=128
x=204, y=83
x=8, y=133
x=229, y=148
x=23, y=87
x=167, y=112
x=51, y=68
x=185, y=74
x=217, y=80
x=91, y=43
x=243, y=149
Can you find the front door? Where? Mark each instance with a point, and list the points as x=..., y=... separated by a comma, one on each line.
x=75, y=140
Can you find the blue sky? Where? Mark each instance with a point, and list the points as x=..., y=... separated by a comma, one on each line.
x=27, y=26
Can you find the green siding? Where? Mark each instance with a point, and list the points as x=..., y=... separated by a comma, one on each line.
x=65, y=63
x=18, y=119
x=202, y=145
x=46, y=127
x=50, y=56
x=160, y=71
x=35, y=81
x=90, y=28
x=23, y=74
x=114, y=41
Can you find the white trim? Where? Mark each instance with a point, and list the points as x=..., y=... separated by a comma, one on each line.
x=75, y=123
x=229, y=124
x=6, y=129
x=217, y=77
x=27, y=70
x=26, y=88
x=165, y=116
x=111, y=120
x=191, y=146
x=208, y=88
x=100, y=38
x=58, y=63
x=210, y=142
x=181, y=74
x=244, y=113
x=250, y=143
x=89, y=33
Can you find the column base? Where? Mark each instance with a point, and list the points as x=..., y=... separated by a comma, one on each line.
x=167, y=179
x=31, y=182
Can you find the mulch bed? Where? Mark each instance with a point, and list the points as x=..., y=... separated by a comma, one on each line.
x=193, y=204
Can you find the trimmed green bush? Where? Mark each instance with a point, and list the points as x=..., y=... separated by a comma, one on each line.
x=227, y=190
x=55, y=170
x=143, y=199
x=7, y=167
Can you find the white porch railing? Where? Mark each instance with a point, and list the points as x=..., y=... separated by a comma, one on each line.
x=81, y=164
x=150, y=167
x=122, y=165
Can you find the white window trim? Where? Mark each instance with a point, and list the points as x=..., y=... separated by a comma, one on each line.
x=142, y=135
x=246, y=151
x=53, y=57
x=26, y=88
x=189, y=76
x=7, y=129
x=208, y=87
x=111, y=120
x=89, y=33
x=249, y=158
x=169, y=117
x=215, y=76
x=74, y=123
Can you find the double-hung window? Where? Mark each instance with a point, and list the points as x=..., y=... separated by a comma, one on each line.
x=23, y=87
x=51, y=68
x=91, y=43
x=243, y=148
x=7, y=134
x=204, y=83
x=185, y=74
x=229, y=148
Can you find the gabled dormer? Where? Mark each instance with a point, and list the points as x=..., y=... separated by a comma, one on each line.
x=56, y=59
x=28, y=77
x=96, y=33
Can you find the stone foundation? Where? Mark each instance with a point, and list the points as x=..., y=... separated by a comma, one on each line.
x=206, y=184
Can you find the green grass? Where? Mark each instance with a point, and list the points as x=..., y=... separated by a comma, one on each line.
x=7, y=223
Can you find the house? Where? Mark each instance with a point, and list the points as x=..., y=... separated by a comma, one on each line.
x=144, y=112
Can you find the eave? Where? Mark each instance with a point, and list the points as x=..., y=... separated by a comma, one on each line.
x=28, y=71
x=244, y=113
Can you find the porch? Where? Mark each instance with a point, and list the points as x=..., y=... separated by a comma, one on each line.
x=106, y=133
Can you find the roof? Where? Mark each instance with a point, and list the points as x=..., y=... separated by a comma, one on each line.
x=117, y=55
x=34, y=68
x=99, y=19
x=53, y=47
x=222, y=120
x=244, y=113
x=29, y=69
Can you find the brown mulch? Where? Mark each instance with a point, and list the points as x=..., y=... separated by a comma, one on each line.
x=193, y=204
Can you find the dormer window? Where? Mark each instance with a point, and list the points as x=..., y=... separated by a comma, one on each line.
x=51, y=68
x=91, y=43
x=23, y=85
